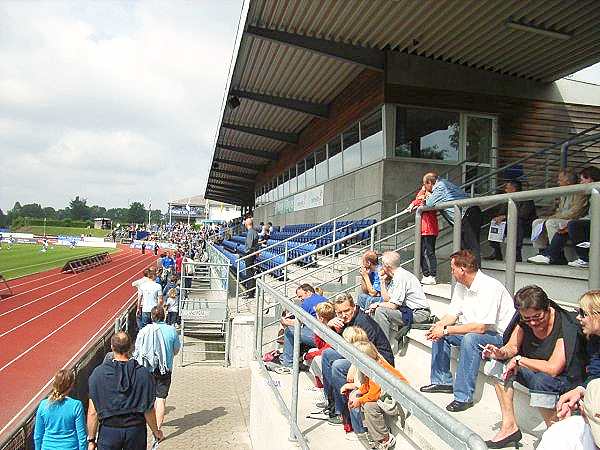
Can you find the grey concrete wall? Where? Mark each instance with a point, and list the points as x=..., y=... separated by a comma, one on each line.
x=342, y=194
x=411, y=70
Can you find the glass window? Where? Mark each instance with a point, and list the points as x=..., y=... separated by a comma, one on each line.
x=371, y=138
x=293, y=181
x=334, y=152
x=280, y=186
x=301, y=178
x=427, y=133
x=321, y=165
x=350, y=141
x=310, y=171
x=286, y=183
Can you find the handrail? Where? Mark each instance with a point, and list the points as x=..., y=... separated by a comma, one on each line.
x=439, y=421
x=593, y=189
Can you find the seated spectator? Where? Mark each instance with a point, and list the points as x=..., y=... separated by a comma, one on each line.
x=570, y=207
x=544, y=353
x=60, y=419
x=403, y=300
x=576, y=431
x=310, y=300
x=525, y=216
x=480, y=311
x=577, y=231
x=367, y=397
x=369, y=281
x=439, y=190
x=335, y=367
x=429, y=232
x=325, y=313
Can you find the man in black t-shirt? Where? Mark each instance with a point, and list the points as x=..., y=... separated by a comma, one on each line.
x=122, y=395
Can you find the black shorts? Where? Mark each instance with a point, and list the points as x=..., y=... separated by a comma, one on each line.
x=163, y=383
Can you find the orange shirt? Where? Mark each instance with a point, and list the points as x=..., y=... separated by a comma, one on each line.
x=371, y=391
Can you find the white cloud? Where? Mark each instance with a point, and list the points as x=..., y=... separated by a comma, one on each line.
x=114, y=101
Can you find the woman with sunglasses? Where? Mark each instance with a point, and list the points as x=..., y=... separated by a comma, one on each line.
x=576, y=431
x=544, y=351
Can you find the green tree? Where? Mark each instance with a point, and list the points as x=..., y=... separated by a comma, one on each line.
x=136, y=213
x=49, y=212
x=33, y=210
x=118, y=215
x=62, y=214
x=14, y=213
x=79, y=209
x=97, y=211
x=156, y=216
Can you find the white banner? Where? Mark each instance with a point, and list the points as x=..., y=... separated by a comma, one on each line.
x=313, y=198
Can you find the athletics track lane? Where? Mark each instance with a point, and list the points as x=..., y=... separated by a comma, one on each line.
x=31, y=354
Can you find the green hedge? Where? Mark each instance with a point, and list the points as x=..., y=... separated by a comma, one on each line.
x=26, y=221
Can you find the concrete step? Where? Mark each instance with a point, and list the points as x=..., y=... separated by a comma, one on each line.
x=562, y=283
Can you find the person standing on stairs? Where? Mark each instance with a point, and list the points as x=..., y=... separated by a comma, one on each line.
x=439, y=190
x=429, y=233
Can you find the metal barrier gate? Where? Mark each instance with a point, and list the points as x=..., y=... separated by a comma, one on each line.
x=205, y=322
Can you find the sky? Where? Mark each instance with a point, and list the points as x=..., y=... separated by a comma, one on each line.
x=114, y=101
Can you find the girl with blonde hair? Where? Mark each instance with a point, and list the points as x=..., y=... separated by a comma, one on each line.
x=59, y=421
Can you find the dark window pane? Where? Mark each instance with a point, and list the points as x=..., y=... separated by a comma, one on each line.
x=335, y=157
x=371, y=138
x=351, y=145
x=423, y=133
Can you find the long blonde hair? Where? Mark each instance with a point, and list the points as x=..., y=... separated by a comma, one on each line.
x=61, y=385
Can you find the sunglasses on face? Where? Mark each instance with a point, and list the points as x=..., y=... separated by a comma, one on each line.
x=583, y=313
x=535, y=318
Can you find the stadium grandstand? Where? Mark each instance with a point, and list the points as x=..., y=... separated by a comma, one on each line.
x=333, y=114
x=362, y=142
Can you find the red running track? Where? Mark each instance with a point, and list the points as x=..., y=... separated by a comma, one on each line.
x=48, y=322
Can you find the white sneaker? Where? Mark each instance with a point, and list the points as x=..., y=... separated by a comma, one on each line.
x=539, y=259
x=428, y=280
x=580, y=263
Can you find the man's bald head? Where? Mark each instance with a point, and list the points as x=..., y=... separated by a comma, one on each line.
x=121, y=343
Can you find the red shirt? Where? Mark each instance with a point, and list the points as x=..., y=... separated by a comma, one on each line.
x=178, y=262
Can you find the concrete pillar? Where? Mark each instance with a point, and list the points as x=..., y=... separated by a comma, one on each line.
x=242, y=341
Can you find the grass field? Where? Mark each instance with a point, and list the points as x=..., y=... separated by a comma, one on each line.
x=68, y=231
x=24, y=259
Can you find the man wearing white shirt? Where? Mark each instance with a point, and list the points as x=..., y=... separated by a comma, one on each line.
x=149, y=296
x=480, y=310
x=403, y=300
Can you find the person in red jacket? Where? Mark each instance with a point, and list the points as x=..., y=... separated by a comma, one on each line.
x=429, y=233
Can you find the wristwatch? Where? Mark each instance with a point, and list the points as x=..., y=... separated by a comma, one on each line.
x=446, y=330
x=91, y=440
x=518, y=359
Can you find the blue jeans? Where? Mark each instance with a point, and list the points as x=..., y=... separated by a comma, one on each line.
x=469, y=360
x=339, y=372
x=365, y=300
x=328, y=357
x=356, y=419
x=306, y=337
x=143, y=319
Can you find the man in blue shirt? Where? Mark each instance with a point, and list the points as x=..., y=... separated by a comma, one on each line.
x=439, y=191
x=310, y=300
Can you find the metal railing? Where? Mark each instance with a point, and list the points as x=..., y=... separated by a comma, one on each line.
x=449, y=429
x=285, y=242
x=593, y=189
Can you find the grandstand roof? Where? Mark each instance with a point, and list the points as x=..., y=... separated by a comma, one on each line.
x=295, y=57
x=196, y=200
